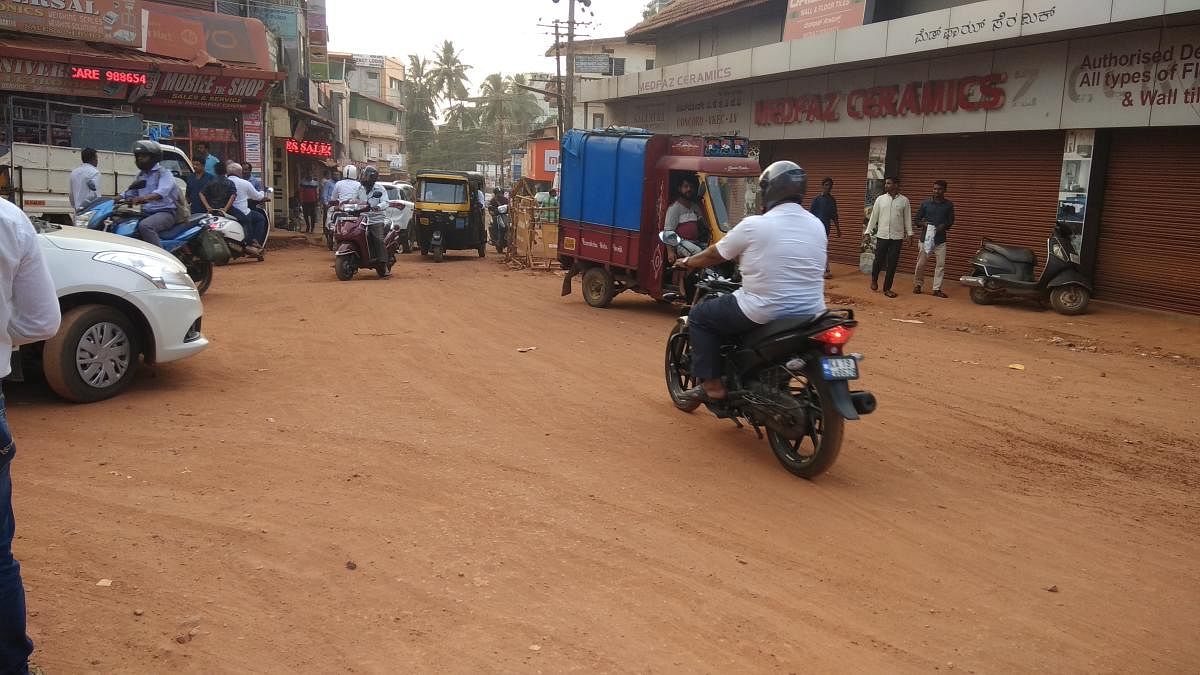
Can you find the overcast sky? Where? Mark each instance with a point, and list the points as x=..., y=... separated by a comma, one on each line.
x=493, y=35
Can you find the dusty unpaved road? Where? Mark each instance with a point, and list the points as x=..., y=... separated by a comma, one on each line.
x=369, y=477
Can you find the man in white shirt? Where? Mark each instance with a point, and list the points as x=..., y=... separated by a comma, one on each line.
x=28, y=313
x=891, y=226
x=252, y=220
x=781, y=255
x=347, y=188
x=85, y=180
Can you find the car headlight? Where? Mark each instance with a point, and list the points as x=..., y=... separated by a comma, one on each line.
x=82, y=219
x=158, y=272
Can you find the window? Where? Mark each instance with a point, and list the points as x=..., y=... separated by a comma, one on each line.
x=393, y=84
x=597, y=120
x=391, y=115
x=372, y=76
x=649, y=64
x=443, y=193
x=617, y=66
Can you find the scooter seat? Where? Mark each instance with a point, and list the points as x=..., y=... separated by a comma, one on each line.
x=195, y=218
x=177, y=231
x=1017, y=254
x=778, y=327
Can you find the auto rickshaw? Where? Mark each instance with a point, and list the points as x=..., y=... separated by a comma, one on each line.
x=447, y=213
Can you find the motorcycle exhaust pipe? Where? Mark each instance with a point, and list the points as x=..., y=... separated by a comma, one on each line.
x=864, y=402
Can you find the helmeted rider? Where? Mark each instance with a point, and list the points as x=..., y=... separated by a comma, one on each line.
x=376, y=197
x=158, y=195
x=499, y=220
x=343, y=191
x=781, y=255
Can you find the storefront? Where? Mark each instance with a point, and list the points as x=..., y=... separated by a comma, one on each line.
x=1101, y=131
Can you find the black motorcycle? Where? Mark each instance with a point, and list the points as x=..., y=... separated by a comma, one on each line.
x=999, y=271
x=789, y=376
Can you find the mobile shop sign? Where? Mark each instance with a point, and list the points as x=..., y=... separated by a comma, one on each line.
x=969, y=94
x=202, y=91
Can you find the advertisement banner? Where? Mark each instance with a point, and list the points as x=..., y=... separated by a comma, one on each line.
x=76, y=19
x=186, y=33
x=318, y=63
x=252, y=133
x=806, y=18
x=316, y=16
x=282, y=20
x=597, y=64
x=53, y=78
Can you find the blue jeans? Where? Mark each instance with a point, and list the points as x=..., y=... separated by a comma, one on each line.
x=709, y=323
x=15, y=645
x=254, y=224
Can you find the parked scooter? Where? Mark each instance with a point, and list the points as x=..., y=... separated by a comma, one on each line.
x=233, y=233
x=112, y=215
x=356, y=249
x=1000, y=271
x=499, y=229
x=790, y=376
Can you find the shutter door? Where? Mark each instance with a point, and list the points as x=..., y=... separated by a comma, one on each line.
x=1149, y=255
x=845, y=161
x=1004, y=187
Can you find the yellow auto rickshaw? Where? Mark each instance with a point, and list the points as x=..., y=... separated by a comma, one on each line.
x=447, y=213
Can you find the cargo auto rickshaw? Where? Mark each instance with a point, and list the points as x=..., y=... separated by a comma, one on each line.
x=447, y=213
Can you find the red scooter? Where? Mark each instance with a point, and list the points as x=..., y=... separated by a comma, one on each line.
x=355, y=250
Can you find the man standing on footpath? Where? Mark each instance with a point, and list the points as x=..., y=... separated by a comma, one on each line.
x=891, y=226
x=309, y=193
x=210, y=160
x=824, y=207
x=28, y=313
x=937, y=213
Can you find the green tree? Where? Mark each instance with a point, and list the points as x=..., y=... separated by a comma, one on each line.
x=448, y=76
x=420, y=103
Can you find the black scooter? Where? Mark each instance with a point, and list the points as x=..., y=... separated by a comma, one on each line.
x=1001, y=271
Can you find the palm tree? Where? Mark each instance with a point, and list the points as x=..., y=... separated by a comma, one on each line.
x=448, y=77
x=420, y=100
x=460, y=117
x=504, y=106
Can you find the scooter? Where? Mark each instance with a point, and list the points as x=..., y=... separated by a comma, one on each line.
x=355, y=248
x=1001, y=271
x=233, y=233
x=499, y=227
x=112, y=215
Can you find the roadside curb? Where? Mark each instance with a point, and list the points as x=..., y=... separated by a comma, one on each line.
x=280, y=239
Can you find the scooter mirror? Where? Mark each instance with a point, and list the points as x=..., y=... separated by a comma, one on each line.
x=669, y=238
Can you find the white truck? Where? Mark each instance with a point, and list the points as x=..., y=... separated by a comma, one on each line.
x=37, y=177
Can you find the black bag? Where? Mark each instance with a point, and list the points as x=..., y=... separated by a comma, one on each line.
x=211, y=247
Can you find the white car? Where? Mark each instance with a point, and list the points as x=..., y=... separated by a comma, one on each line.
x=121, y=298
x=400, y=213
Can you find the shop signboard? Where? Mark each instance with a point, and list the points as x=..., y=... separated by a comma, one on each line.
x=318, y=62
x=320, y=149
x=185, y=33
x=806, y=18
x=213, y=92
x=56, y=78
x=596, y=64
x=367, y=60
x=252, y=136
x=118, y=23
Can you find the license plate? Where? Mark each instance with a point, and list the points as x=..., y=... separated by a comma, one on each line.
x=840, y=368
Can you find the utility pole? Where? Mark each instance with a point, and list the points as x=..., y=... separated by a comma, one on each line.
x=559, y=80
x=570, y=101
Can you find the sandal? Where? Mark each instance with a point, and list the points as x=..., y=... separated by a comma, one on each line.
x=939, y=294
x=889, y=294
x=698, y=394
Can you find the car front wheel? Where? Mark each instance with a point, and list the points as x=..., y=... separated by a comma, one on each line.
x=94, y=355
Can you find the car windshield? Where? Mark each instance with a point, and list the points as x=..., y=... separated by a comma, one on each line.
x=44, y=226
x=442, y=192
x=733, y=198
x=392, y=193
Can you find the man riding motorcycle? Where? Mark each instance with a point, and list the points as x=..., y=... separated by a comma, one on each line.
x=781, y=256
x=158, y=194
x=376, y=197
x=499, y=220
x=343, y=191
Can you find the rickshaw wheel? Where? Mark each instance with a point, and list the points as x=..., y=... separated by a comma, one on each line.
x=439, y=254
x=599, y=287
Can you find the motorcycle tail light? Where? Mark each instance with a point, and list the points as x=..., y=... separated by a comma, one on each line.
x=834, y=338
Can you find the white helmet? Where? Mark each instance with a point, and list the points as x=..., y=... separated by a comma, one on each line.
x=350, y=172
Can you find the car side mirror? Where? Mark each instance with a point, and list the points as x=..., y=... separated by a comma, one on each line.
x=669, y=238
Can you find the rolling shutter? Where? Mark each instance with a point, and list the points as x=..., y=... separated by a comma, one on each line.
x=1004, y=187
x=845, y=161
x=1149, y=254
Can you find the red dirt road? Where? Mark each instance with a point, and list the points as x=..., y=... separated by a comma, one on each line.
x=550, y=511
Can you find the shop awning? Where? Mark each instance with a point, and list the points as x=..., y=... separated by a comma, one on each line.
x=313, y=118
x=50, y=51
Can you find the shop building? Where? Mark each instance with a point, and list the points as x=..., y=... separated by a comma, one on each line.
x=1032, y=110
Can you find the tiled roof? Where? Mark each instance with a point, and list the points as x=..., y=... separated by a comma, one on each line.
x=682, y=12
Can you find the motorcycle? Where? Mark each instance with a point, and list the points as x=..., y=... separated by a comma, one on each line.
x=1000, y=271
x=355, y=245
x=499, y=229
x=113, y=215
x=790, y=376
x=233, y=233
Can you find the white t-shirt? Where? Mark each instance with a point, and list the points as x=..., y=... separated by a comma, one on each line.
x=85, y=185
x=28, y=301
x=346, y=189
x=245, y=192
x=782, y=258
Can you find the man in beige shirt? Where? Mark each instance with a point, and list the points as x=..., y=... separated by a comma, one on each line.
x=891, y=226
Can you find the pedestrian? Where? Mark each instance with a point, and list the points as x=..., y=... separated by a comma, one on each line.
x=210, y=160
x=85, y=180
x=891, y=226
x=28, y=313
x=937, y=213
x=327, y=184
x=196, y=184
x=309, y=195
x=824, y=207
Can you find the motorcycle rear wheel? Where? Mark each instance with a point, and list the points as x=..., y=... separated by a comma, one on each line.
x=201, y=272
x=825, y=428
x=678, y=369
x=439, y=254
x=329, y=243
